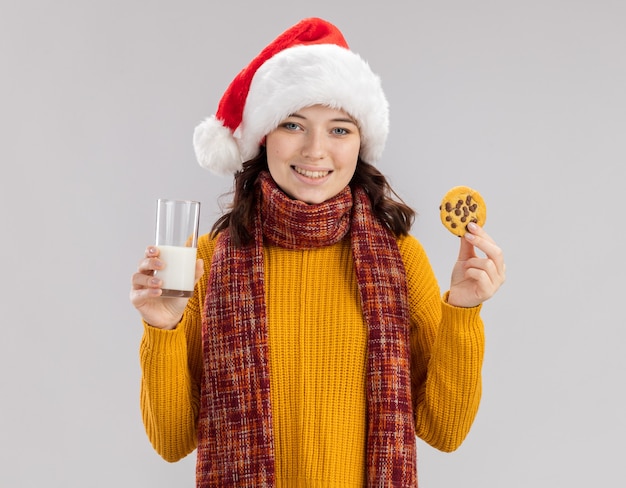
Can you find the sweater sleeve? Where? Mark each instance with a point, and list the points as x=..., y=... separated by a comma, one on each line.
x=171, y=367
x=447, y=348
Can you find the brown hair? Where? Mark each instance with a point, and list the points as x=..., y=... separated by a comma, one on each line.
x=387, y=206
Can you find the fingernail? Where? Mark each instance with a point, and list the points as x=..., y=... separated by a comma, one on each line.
x=155, y=281
x=472, y=226
x=469, y=236
x=151, y=250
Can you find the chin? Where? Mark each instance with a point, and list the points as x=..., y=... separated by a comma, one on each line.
x=312, y=199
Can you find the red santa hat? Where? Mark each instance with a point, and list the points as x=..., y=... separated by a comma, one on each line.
x=308, y=64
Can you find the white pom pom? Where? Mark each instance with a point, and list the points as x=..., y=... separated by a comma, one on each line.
x=216, y=148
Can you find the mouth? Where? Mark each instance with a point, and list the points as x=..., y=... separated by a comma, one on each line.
x=311, y=174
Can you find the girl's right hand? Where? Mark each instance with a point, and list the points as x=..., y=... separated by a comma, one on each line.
x=145, y=293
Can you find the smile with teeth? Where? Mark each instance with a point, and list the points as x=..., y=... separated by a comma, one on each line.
x=310, y=174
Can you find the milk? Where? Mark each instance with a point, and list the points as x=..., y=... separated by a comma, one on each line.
x=179, y=270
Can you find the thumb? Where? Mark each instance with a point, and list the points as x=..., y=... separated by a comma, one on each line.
x=199, y=270
x=466, y=249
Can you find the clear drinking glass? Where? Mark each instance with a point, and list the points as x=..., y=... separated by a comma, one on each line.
x=177, y=223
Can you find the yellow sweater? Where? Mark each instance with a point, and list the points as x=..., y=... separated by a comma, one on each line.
x=317, y=342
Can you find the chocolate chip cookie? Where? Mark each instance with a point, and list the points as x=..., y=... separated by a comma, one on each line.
x=460, y=206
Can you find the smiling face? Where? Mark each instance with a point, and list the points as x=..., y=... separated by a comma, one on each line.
x=312, y=154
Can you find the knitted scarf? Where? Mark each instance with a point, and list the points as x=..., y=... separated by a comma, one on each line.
x=235, y=437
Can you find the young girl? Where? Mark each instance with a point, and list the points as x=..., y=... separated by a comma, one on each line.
x=317, y=344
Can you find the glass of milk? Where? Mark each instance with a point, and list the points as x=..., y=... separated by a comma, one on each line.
x=177, y=225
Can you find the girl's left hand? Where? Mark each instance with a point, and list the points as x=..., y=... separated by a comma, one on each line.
x=476, y=279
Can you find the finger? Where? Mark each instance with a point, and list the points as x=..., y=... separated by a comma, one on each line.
x=480, y=239
x=484, y=266
x=141, y=280
x=487, y=276
x=477, y=230
x=484, y=288
x=152, y=252
x=149, y=265
x=139, y=297
x=199, y=270
x=494, y=253
x=466, y=249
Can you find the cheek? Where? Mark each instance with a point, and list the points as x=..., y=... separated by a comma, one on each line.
x=276, y=151
x=350, y=155
x=351, y=160
x=278, y=169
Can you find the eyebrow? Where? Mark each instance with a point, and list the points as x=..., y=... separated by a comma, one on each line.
x=338, y=119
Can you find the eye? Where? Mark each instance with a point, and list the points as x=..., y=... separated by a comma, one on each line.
x=340, y=131
x=291, y=126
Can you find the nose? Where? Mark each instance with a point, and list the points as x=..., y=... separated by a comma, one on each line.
x=314, y=147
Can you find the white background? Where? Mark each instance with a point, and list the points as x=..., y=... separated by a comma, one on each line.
x=523, y=100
